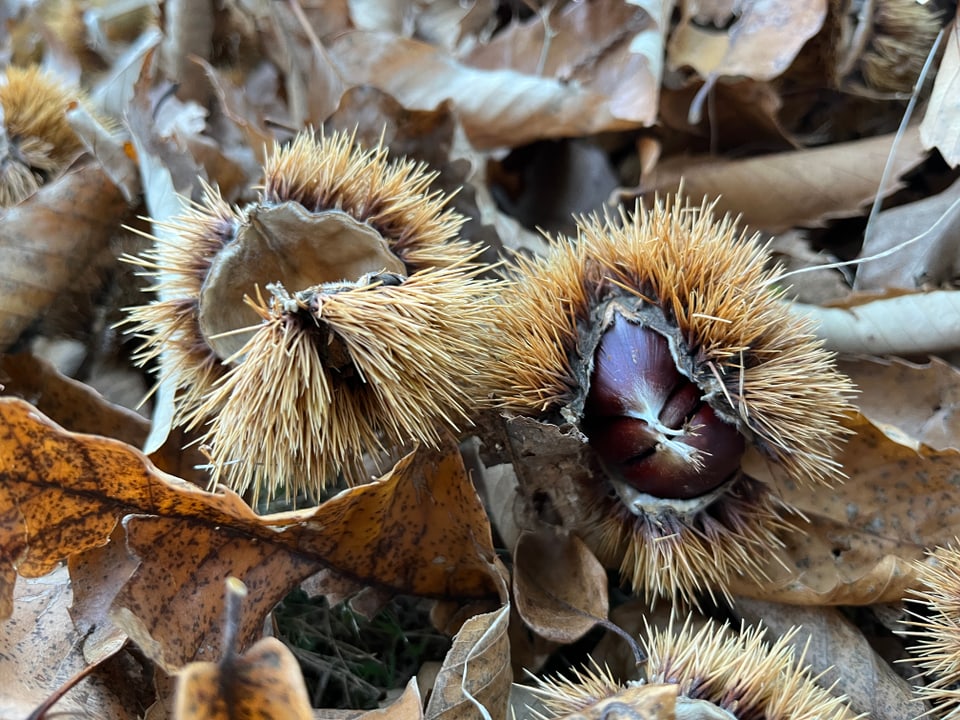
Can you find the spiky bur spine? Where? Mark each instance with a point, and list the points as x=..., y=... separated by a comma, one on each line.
x=178, y=262
x=739, y=672
x=328, y=172
x=708, y=290
x=38, y=142
x=937, y=630
x=667, y=554
x=902, y=33
x=320, y=173
x=335, y=371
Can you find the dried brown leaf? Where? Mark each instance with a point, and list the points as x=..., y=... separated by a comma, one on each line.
x=559, y=586
x=921, y=401
x=63, y=494
x=72, y=404
x=497, y=107
x=50, y=237
x=859, y=542
x=40, y=650
x=596, y=45
x=760, y=40
x=923, y=242
x=96, y=576
x=421, y=530
x=264, y=683
x=834, y=646
x=941, y=123
x=475, y=671
x=406, y=707
x=784, y=190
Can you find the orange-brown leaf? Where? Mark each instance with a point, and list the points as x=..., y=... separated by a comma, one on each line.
x=263, y=683
x=421, y=530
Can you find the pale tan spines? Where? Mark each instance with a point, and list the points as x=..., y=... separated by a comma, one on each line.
x=178, y=263
x=322, y=173
x=937, y=630
x=715, y=284
x=283, y=418
x=329, y=172
x=666, y=556
x=39, y=140
x=739, y=672
x=901, y=36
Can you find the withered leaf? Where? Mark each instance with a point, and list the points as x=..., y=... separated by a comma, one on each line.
x=40, y=650
x=63, y=494
x=835, y=647
x=48, y=238
x=559, y=586
x=421, y=529
x=941, y=121
x=760, y=41
x=860, y=539
x=475, y=671
x=892, y=324
x=72, y=404
x=264, y=683
x=497, y=107
x=921, y=401
x=803, y=187
x=406, y=707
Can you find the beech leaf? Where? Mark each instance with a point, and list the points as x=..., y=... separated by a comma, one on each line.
x=559, y=586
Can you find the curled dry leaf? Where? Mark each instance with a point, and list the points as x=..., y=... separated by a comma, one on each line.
x=923, y=242
x=559, y=586
x=47, y=239
x=861, y=538
x=265, y=682
x=72, y=404
x=759, y=42
x=475, y=672
x=802, y=187
x=40, y=650
x=406, y=707
x=95, y=578
x=941, y=123
x=421, y=530
x=497, y=107
x=894, y=324
x=838, y=652
x=614, y=47
x=64, y=494
x=922, y=402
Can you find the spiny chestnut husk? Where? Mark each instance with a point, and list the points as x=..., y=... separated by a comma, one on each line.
x=737, y=673
x=375, y=320
x=886, y=43
x=936, y=627
x=661, y=343
x=38, y=142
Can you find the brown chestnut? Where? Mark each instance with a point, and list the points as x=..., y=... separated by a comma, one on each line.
x=648, y=423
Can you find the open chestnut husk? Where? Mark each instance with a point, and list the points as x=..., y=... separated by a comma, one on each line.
x=635, y=365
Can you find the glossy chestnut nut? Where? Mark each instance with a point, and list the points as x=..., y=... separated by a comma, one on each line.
x=647, y=421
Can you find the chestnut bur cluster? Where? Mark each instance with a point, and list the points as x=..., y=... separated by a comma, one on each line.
x=651, y=352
